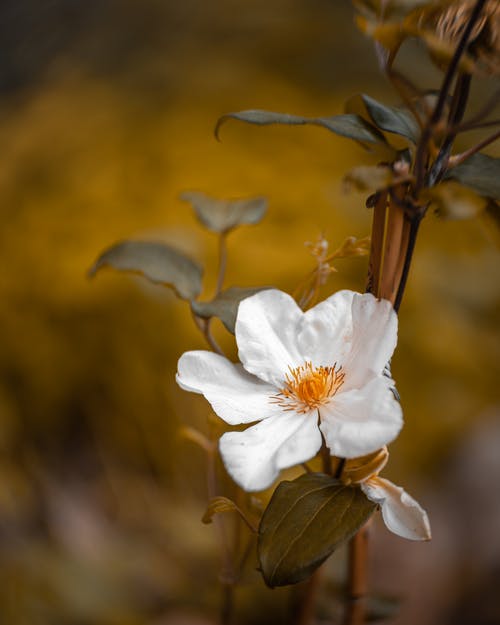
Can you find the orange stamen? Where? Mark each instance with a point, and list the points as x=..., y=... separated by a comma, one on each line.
x=307, y=387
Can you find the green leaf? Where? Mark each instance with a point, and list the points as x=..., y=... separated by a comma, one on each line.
x=348, y=125
x=305, y=521
x=479, y=172
x=392, y=119
x=157, y=262
x=225, y=305
x=224, y=215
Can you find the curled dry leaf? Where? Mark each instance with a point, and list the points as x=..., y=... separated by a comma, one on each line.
x=217, y=505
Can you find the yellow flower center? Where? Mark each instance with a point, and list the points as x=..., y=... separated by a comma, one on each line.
x=307, y=387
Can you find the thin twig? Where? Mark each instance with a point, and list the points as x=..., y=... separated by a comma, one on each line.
x=244, y=558
x=358, y=578
x=457, y=110
x=227, y=574
x=203, y=326
x=414, y=226
x=309, y=592
x=477, y=126
x=222, y=263
x=460, y=158
x=207, y=333
x=476, y=121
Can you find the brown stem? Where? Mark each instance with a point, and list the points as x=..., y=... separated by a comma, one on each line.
x=207, y=333
x=377, y=242
x=324, y=452
x=203, y=326
x=357, y=579
x=394, y=234
x=478, y=126
x=477, y=120
x=460, y=158
x=222, y=263
x=407, y=255
x=457, y=110
x=390, y=239
x=304, y=595
x=340, y=468
x=227, y=608
x=326, y=459
x=305, y=599
x=227, y=572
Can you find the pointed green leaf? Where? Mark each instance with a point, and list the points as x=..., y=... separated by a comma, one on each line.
x=305, y=521
x=347, y=125
x=479, y=172
x=352, y=127
x=392, y=119
x=225, y=305
x=224, y=215
x=157, y=262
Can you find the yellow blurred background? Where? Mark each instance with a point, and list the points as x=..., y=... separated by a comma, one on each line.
x=107, y=111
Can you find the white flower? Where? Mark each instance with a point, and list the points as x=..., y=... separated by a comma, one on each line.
x=400, y=512
x=299, y=371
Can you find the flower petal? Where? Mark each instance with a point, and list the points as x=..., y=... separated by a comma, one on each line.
x=360, y=421
x=325, y=332
x=235, y=395
x=401, y=513
x=266, y=333
x=373, y=339
x=254, y=458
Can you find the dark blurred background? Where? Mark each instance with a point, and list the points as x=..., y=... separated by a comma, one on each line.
x=106, y=114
